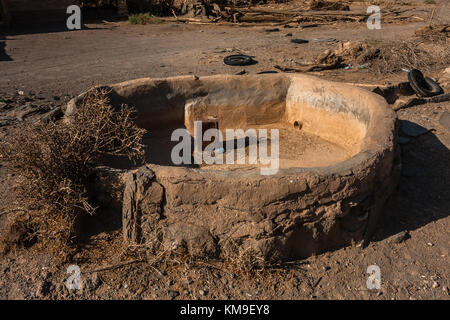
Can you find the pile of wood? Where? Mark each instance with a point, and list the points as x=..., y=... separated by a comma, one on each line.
x=317, y=11
x=258, y=15
x=284, y=16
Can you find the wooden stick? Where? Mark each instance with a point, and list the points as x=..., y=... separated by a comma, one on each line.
x=432, y=16
x=112, y=267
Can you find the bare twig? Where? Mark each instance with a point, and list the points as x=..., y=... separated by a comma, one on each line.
x=116, y=266
x=12, y=210
x=432, y=16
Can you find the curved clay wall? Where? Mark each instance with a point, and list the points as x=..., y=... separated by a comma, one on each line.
x=295, y=213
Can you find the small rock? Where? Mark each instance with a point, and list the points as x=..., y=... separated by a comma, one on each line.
x=173, y=294
x=447, y=71
x=202, y=292
x=445, y=289
x=444, y=120
x=435, y=285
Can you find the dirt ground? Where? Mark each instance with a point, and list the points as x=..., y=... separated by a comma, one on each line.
x=41, y=69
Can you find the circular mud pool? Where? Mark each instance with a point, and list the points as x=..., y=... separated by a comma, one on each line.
x=299, y=166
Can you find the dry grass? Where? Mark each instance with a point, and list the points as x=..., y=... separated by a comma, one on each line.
x=55, y=161
x=143, y=19
x=434, y=34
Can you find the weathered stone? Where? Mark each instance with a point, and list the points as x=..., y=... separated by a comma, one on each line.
x=142, y=199
x=444, y=120
x=173, y=294
x=189, y=239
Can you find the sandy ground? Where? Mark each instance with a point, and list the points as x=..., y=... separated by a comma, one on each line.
x=50, y=66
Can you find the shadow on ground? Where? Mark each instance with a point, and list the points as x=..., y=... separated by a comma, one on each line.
x=3, y=55
x=422, y=193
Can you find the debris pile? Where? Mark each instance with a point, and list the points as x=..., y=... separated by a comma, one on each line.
x=387, y=56
x=247, y=14
x=433, y=33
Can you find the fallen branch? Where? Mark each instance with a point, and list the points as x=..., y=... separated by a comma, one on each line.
x=416, y=101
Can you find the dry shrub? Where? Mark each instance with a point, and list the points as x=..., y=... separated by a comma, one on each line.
x=54, y=162
x=385, y=57
x=243, y=261
x=433, y=33
x=143, y=19
x=18, y=233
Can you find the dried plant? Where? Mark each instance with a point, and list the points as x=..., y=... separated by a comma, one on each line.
x=385, y=57
x=55, y=161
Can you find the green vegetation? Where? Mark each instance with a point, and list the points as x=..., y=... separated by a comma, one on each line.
x=143, y=18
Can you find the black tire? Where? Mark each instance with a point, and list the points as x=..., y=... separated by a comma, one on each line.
x=423, y=86
x=238, y=60
x=299, y=41
x=267, y=72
